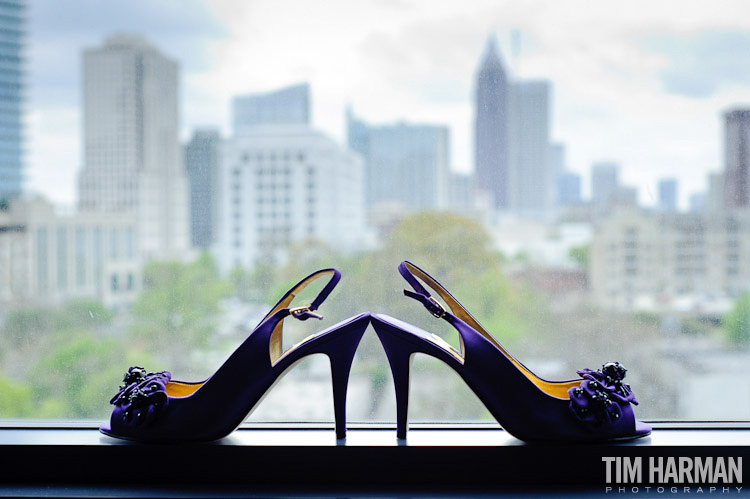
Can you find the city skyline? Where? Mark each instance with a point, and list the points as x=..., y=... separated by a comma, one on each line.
x=620, y=99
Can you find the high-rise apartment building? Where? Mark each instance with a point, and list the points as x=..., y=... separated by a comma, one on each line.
x=281, y=185
x=492, y=101
x=405, y=164
x=532, y=178
x=201, y=164
x=737, y=158
x=13, y=14
x=286, y=106
x=133, y=161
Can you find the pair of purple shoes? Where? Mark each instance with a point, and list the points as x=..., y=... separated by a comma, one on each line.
x=151, y=407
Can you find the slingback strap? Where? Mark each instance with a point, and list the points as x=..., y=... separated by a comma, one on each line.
x=307, y=312
x=283, y=310
x=407, y=270
x=413, y=275
x=430, y=303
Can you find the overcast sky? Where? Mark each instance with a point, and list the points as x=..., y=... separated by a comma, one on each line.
x=642, y=83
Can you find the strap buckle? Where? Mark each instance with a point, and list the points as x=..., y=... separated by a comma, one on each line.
x=304, y=313
x=437, y=309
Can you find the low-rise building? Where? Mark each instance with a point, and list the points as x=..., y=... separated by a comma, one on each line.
x=49, y=258
x=698, y=262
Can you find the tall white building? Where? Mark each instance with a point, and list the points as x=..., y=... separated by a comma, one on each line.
x=283, y=184
x=132, y=156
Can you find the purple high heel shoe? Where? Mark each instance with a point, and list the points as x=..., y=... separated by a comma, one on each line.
x=596, y=407
x=152, y=407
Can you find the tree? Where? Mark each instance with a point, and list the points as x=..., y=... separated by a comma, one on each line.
x=251, y=285
x=25, y=327
x=79, y=376
x=580, y=255
x=178, y=309
x=737, y=321
x=84, y=313
x=28, y=326
x=68, y=361
x=449, y=245
x=16, y=399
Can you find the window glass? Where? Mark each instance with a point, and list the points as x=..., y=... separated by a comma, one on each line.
x=578, y=179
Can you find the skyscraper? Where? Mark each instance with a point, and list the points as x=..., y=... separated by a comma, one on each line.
x=605, y=182
x=697, y=202
x=532, y=177
x=12, y=13
x=568, y=188
x=405, y=164
x=737, y=158
x=286, y=106
x=132, y=156
x=668, y=194
x=201, y=163
x=716, y=192
x=491, y=127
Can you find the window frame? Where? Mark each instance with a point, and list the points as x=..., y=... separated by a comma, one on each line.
x=293, y=458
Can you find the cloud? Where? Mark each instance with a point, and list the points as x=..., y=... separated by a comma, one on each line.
x=698, y=64
x=165, y=20
x=59, y=31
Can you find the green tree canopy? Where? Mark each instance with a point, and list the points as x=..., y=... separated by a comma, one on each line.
x=77, y=379
x=66, y=356
x=16, y=400
x=580, y=255
x=178, y=307
x=458, y=252
x=737, y=321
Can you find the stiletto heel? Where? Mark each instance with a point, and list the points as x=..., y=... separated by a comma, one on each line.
x=400, y=354
x=595, y=407
x=152, y=407
x=341, y=358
